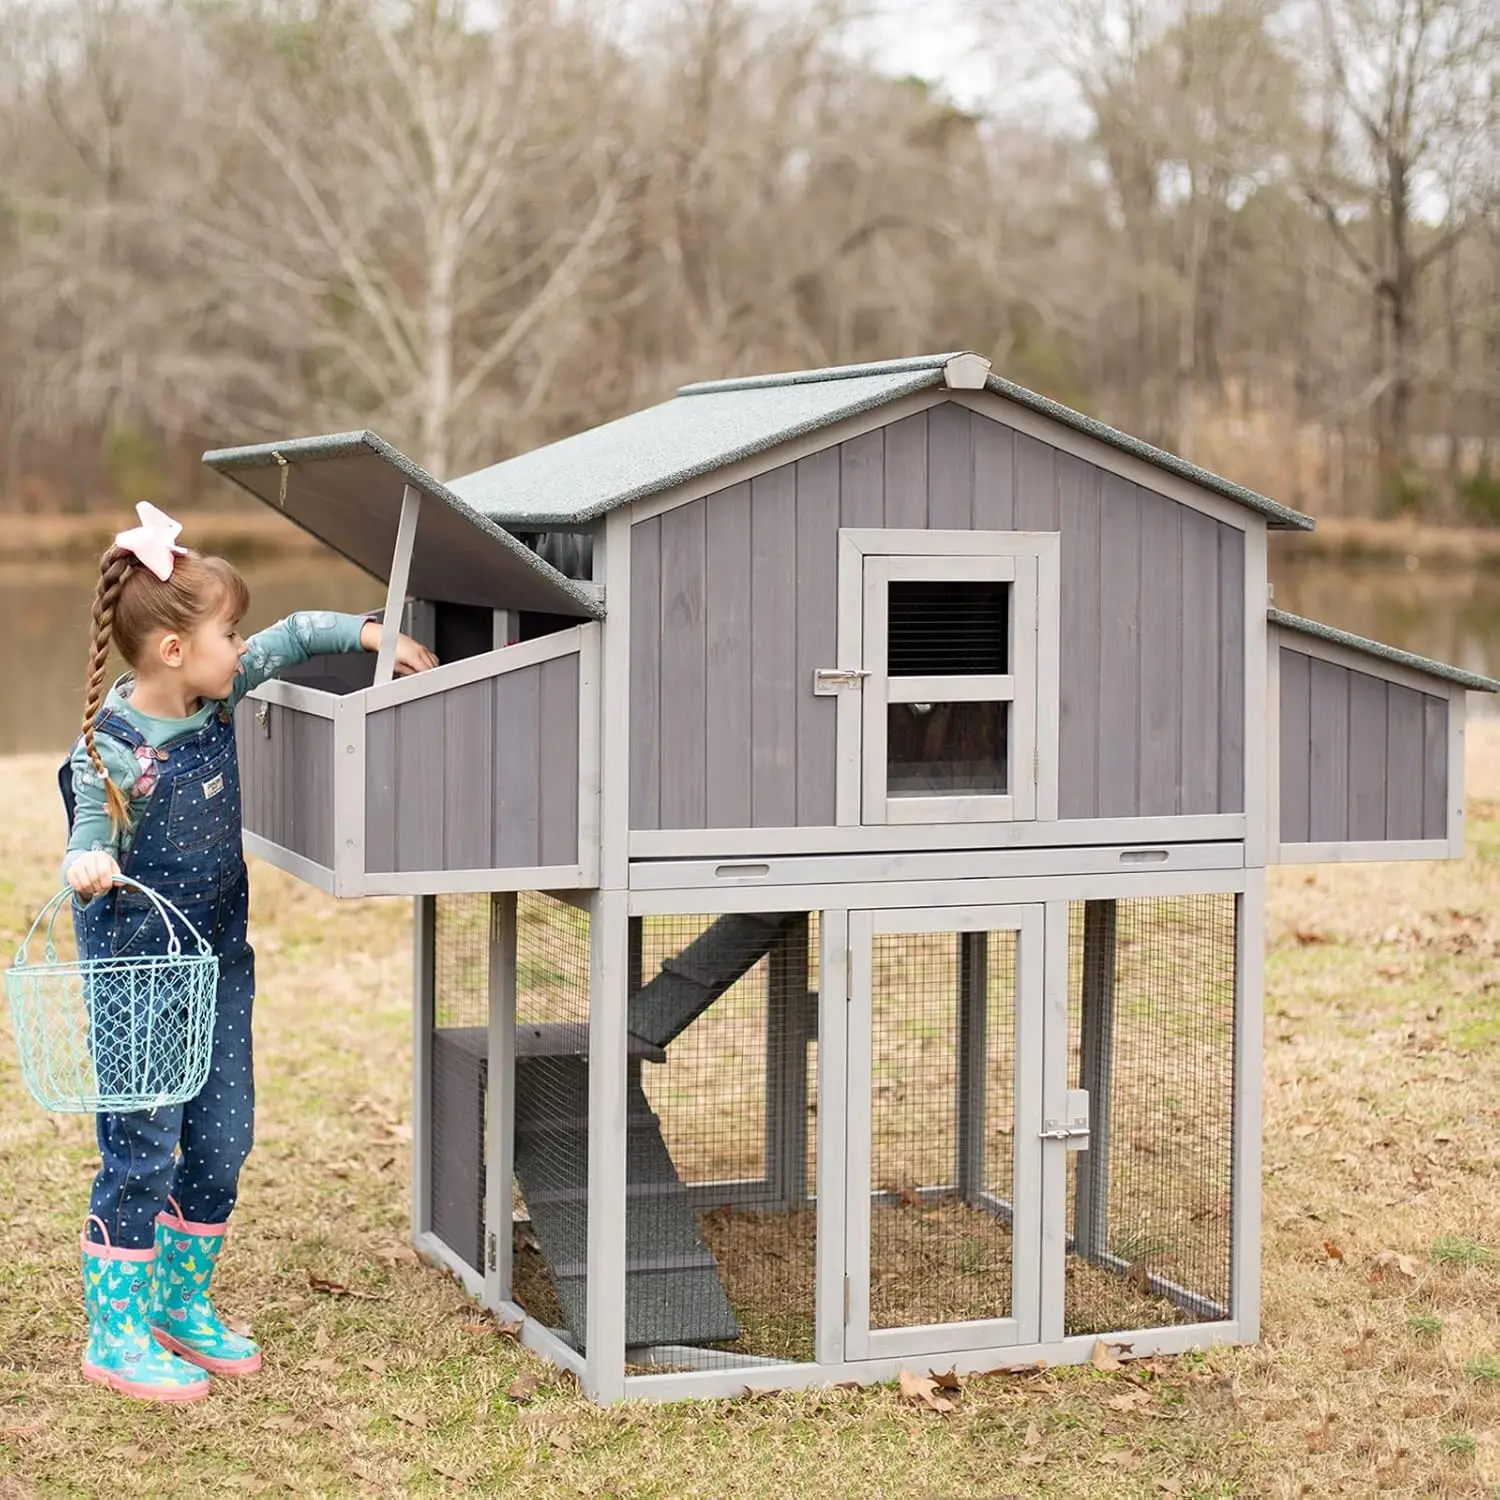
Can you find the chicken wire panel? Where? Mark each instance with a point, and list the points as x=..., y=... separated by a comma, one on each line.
x=551, y=1102
x=721, y=1154
x=1151, y=1006
x=942, y=1127
x=458, y=1062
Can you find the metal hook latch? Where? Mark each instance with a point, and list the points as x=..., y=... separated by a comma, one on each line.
x=263, y=718
x=1075, y=1129
x=828, y=680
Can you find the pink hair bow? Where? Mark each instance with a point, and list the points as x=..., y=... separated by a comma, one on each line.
x=153, y=541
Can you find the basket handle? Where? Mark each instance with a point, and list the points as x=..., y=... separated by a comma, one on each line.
x=163, y=906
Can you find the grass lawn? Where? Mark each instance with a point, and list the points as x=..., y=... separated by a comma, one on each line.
x=1378, y=1371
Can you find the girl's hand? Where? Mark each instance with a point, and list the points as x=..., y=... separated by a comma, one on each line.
x=92, y=874
x=411, y=656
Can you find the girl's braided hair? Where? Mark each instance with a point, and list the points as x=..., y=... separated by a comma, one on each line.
x=130, y=604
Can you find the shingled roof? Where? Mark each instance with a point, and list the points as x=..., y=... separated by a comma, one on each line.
x=715, y=423
x=1321, y=632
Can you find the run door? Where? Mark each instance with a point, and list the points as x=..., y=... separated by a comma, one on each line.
x=945, y=1130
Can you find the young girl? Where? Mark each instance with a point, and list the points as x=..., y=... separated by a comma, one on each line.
x=152, y=791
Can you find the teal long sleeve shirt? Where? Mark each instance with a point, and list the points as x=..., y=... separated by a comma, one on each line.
x=284, y=644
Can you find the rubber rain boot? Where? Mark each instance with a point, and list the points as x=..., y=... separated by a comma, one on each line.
x=182, y=1314
x=121, y=1353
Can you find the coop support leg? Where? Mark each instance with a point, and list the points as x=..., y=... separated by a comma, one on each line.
x=500, y=1117
x=424, y=923
x=1096, y=1055
x=973, y=1048
x=609, y=966
x=1245, y=1189
x=786, y=1068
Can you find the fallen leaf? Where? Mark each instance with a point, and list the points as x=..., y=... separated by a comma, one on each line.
x=948, y=1380
x=1332, y=1251
x=509, y=1330
x=411, y=1418
x=321, y=1367
x=130, y=1452
x=524, y=1386
x=338, y=1289
x=923, y=1390
x=321, y=1340
x=1138, y=1278
x=239, y=1326
x=393, y=1254
x=1103, y=1359
x=1129, y=1400
x=284, y=1422
x=1307, y=936
x=374, y=1366
x=1404, y=1265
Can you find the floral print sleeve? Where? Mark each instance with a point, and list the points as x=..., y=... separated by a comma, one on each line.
x=134, y=772
x=312, y=632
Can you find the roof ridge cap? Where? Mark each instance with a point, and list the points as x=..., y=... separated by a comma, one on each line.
x=817, y=376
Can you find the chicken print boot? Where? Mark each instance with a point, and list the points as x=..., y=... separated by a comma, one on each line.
x=182, y=1316
x=121, y=1354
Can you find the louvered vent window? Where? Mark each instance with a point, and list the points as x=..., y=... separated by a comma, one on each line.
x=949, y=629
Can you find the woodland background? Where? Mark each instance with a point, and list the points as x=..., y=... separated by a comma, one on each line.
x=1272, y=244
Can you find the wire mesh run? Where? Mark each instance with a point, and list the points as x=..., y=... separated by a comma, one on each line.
x=1151, y=998
x=721, y=1156
x=942, y=1109
x=458, y=1055
x=550, y=1221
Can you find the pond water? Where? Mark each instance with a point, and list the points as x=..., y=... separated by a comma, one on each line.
x=44, y=623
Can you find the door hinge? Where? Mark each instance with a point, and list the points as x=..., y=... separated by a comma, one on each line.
x=848, y=1298
x=1074, y=1126
x=492, y=1252
x=828, y=680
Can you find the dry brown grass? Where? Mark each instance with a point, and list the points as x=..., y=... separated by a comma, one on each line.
x=1378, y=1371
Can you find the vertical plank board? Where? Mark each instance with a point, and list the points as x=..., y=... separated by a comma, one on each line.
x=380, y=790
x=292, y=788
x=862, y=480
x=320, y=752
x=1119, y=646
x=283, y=729
x=468, y=774
x=1232, y=669
x=1405, y=747
x=420, y=755
x=1078, y=638
x=1435, y=767
x=1199, y=756
x=1329, y=779
x=1036, y=488
x=557, y=746
x=1296, y=747
x=645, y=674
x=994, y=475
x=684, y=665
x=248, y=740
x=517, y=706
x=817, y=633
x=1161, y=655
x=950, y=468
x=1367, y=717
x=773, y=612
x=906, y=472
x=731, y=648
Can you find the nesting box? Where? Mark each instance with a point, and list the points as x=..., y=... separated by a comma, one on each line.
x=838, y=833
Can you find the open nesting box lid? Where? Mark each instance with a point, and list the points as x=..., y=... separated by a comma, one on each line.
x=347, y=489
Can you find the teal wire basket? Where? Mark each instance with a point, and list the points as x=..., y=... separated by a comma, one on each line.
x=114, y=1035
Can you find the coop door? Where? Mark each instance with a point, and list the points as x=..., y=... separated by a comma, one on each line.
x=946, y=679
x=943, y=1234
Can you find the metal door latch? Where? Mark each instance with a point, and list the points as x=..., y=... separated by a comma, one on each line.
x=1074, y=1129
x=263, y=718
x=828, y=680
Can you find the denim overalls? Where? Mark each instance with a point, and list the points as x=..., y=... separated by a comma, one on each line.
x=187, y=848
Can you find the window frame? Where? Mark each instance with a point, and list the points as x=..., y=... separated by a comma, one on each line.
x=869, y=561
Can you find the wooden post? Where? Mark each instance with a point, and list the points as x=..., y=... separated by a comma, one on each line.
x=786, y=1068
x=1096, y=1062
x=973, y=1046
x=500, y=1151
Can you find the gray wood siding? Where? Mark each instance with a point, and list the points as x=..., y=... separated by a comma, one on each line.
x=734, y=601
x=1363, y=760
x=286, y=778
x=461, y=780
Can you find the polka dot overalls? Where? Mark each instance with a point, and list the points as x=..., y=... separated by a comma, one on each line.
x=186, y=847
